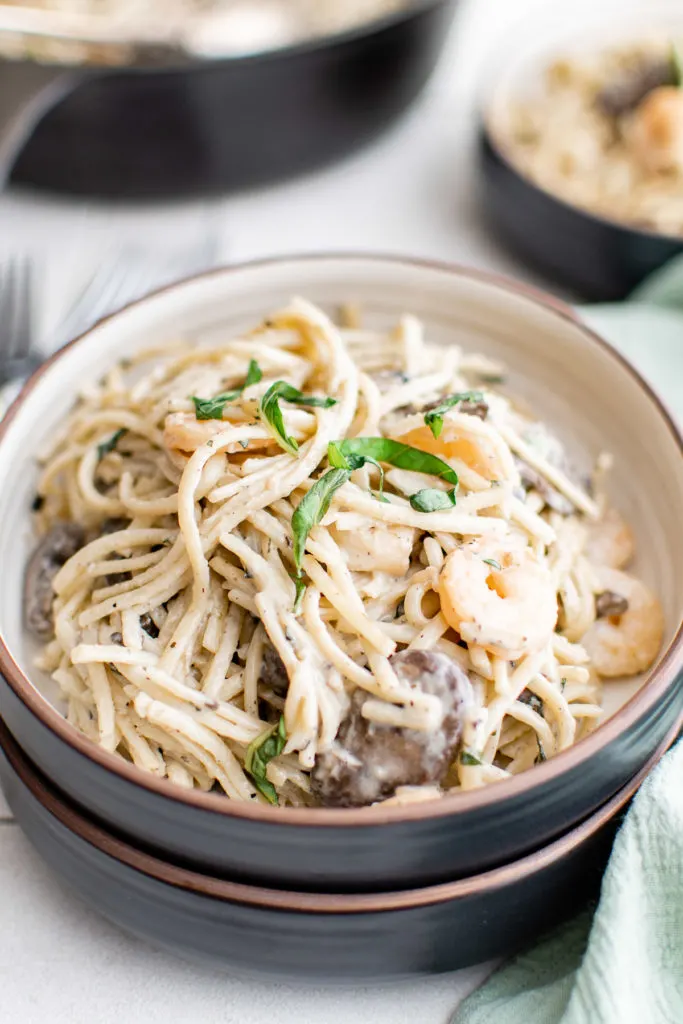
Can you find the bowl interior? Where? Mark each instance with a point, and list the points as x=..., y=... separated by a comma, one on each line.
x=585, y=393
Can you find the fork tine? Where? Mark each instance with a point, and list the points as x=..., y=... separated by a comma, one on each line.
x=10, y=309
x=20, y=310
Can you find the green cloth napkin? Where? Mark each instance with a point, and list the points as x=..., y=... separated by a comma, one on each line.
x=622, y=964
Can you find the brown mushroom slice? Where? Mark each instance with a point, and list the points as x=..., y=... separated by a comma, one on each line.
x=533, y=480
x=273, y=673
x=609, y=604
x=625, y=93
x=369, y=761
x=550, y=448
x=57, y=547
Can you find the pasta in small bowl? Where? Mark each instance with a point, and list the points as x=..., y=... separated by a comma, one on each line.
x=340, y=571
x=581, y=155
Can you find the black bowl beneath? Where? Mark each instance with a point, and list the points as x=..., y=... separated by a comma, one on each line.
x=301, y=935
x=233, y=123
x=600, y=259
x=371, y=850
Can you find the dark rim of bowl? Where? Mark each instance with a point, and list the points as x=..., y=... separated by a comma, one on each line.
x=310, y=44
x=645, y=698
x=598, y=219
x=317, y=903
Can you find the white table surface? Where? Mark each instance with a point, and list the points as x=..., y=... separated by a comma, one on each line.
x=412, y=192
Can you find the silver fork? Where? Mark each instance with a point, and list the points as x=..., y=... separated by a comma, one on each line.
x=18, y=355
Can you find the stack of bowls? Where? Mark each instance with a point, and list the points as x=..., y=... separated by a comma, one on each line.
x=375, y=892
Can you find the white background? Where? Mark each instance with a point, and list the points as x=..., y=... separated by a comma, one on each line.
x=412, y=192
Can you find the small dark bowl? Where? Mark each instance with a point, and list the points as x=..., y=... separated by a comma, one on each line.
x=216, y=125
x=602, y=260
x=557, y=364
x=330, y=937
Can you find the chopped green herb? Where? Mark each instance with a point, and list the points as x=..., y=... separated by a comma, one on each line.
x=356, y=451
x=563, y=683
x=541, y=752
x=491, y=378
x=212, y=408
x=272, y=413
x=469, y=759
x=260, y=752
x=244, y=444
x=209, y=443
x=300, y=591
x=434, y=418
x=312, y=508
x=493, y=563
x=109, y=446
x=431, y=500
x=676, y=66
x=254, y=374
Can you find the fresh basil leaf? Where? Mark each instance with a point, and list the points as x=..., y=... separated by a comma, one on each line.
x=260, y=752
x=300, y=591
x=272, y=413
x=434, y=418
x=254, y=374
x=312, y=508
x=469, y=759
x=212, y=408
x=493, y=563
x=356, y=451
x=431, y=500
x=109, y=446
x=342, y=458
x=676, y=66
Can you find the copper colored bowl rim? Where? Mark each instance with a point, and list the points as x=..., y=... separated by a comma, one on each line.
x=643, y=701
x=307, y=902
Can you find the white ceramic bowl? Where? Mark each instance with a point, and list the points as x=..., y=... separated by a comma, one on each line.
x=575, y=381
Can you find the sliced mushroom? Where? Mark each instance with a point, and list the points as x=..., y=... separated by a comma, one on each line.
x=533, y=480
x=550, y=448
x=149, y=625
x=369, y=761
x=532, y=701
x=480, y=408
x=608, y=603
x=57, y=547
x=626, y=92
x=273, y=673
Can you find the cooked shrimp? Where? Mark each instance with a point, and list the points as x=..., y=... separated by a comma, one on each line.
x=185, y=433
x=626, y=644
x=610, y=541
x=507, y=605
x=374, y=549
x=655, y=133
x=475, y=450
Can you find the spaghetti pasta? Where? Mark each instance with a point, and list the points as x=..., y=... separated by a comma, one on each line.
x=341, y=575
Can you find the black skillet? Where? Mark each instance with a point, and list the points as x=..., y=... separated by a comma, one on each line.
x=188, y=126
